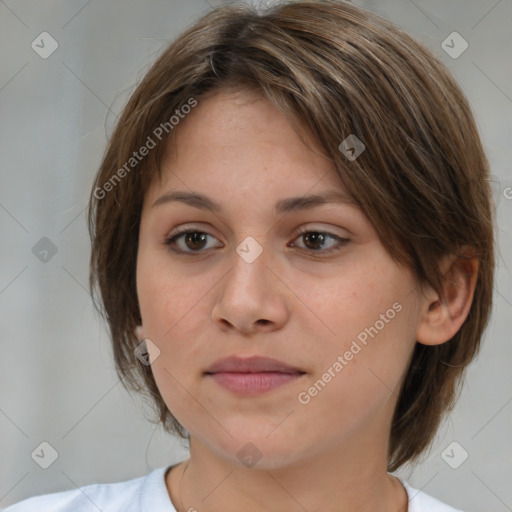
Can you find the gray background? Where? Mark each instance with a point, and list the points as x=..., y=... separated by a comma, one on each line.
x=57, y=382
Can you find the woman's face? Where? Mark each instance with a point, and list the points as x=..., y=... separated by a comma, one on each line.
x=331, y=305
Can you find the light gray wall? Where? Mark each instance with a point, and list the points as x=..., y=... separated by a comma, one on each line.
x=57, y=382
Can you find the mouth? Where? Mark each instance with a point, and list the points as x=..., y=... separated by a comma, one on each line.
x=253, y=375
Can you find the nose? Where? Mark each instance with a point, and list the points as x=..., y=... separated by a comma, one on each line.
x=251, y=298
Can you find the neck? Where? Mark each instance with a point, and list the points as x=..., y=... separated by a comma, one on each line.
x=351, y=477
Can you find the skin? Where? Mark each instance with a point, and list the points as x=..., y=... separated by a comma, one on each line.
x=296, y=304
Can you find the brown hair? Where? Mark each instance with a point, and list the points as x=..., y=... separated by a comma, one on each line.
x=423, y=180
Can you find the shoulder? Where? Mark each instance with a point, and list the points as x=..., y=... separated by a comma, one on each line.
x=421, y=502
x=133, y=495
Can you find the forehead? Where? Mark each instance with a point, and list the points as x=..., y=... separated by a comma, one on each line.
x=239, y=141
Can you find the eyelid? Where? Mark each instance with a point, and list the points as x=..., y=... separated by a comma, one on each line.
x=316, y=229
x=182, y=228
x=303, y=229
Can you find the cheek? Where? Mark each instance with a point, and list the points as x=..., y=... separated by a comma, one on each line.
x=371, y=317
x=167, y=311
x=164, y=296
x=167, y=305
x=359, y=302
x=170, y=306
x=357, y=382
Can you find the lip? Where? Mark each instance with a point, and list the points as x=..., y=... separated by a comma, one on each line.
x=252, y=375
x=252, y=364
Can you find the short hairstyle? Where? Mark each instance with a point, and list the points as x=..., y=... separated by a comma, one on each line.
x=334, y=69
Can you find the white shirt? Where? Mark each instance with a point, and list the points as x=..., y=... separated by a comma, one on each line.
x=149, y=494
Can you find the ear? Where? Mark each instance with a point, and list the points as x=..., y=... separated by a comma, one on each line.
x=442, y=316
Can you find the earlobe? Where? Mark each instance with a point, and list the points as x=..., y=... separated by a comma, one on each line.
x=139, y=333
x=444, y=315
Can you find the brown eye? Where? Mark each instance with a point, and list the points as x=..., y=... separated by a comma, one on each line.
x=195, y=240
x=314, y=240
x=188, y=242
x=317, y=241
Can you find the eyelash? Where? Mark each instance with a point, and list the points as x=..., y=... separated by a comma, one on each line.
x=170, y=241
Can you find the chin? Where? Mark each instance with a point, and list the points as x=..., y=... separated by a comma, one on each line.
x=256, y=449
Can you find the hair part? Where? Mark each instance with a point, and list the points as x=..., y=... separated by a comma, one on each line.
x=333, y=69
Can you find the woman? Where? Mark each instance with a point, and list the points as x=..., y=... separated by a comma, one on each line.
x=292, y=239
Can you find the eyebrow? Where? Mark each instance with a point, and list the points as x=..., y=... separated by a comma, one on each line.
x=290, y=204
